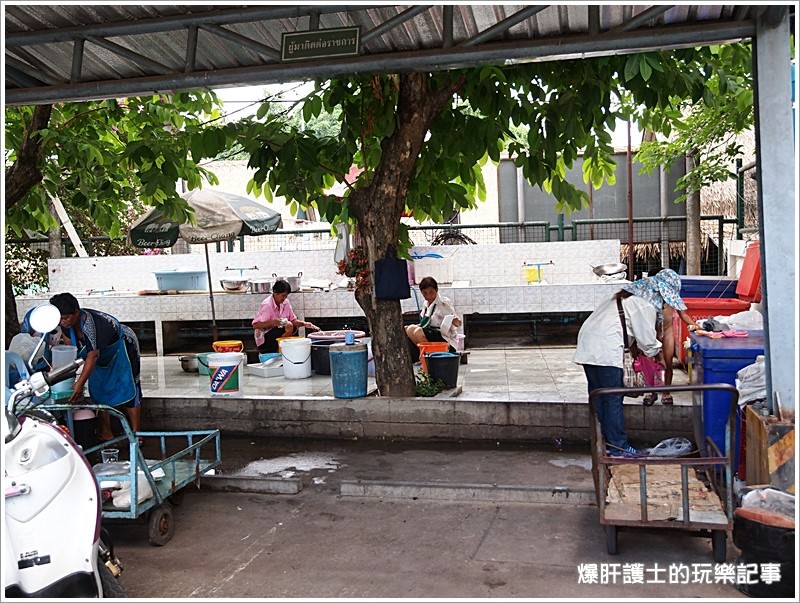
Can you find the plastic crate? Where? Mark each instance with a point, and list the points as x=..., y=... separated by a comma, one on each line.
x=182, y=280
x=440, y=269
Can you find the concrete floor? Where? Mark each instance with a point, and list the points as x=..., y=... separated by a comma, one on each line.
x=529, y=373
x=288, y=517
x=398, y=520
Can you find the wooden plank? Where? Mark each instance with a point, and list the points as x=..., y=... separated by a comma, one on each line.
x=757, y=471
x=769, y=451
x=664, y=496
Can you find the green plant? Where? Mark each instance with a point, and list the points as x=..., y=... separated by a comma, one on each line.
x=427, y=386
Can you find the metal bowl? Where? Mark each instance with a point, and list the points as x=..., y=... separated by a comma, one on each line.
x=189, y=363
x=232, y=285
x=609, y=269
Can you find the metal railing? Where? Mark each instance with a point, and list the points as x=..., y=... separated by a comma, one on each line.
x=645, y=231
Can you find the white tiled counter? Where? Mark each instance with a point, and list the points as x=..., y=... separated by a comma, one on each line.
x=513, y=299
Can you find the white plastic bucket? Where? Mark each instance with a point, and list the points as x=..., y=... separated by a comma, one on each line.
x=62, y=356
x=224, y=373
x=296, y=358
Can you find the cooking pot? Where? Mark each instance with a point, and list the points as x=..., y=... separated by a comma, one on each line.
x=261, y=285
x=234, y=285
x=609, y=269
x=189, y=363
x=294, y=281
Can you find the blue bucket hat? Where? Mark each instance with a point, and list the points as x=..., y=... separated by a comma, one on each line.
x=659, y=289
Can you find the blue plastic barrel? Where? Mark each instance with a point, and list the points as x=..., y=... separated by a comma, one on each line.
x=349, y=370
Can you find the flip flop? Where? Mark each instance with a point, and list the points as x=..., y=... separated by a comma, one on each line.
x=649, y=399
x=667, y=400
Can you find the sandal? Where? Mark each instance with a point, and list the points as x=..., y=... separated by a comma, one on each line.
x=666, y=399
x=649, y=399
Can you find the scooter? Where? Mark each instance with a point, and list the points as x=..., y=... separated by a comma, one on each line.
x=53, y=541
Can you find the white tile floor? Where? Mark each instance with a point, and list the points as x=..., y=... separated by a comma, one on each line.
x=540, y=374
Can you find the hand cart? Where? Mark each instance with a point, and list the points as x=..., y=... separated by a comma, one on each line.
x=692, y=493
x=184, y=457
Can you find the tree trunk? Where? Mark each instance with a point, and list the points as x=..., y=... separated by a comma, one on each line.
x=21, y=177
x=26, y=171
x=377, y=209
x=12, y=318
x=693, y=233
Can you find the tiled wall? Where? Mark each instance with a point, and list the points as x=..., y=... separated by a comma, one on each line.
x=133, y=273
x=481, y=265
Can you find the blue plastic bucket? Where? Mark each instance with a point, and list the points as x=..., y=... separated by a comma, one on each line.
x=349, y=370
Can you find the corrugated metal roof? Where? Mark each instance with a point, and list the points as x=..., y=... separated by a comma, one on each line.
x=72, y=52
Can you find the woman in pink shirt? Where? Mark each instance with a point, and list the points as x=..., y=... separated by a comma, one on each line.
x=276, y=318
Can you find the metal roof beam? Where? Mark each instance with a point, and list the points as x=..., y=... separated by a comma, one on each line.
x=145, y=26
x=129, y=54
x=77, y=61
x=191, y=49
x=582, y=46
x=238, y=38
x=20, y=77
x=394, y=22
x=447, y=25
x=594, y=20
x=503, y=25
x=641, y=19
x=35, y=75
x=43, y=68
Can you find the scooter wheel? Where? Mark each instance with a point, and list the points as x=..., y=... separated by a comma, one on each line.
x=160, y=526
x=112, y=589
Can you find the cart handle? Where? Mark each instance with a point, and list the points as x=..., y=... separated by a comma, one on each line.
x=636, y=391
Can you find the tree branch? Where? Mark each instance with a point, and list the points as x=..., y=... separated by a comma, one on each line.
x=26, y=171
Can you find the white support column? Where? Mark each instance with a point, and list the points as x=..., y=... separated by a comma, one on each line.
x=777, y=204
x=73, y=234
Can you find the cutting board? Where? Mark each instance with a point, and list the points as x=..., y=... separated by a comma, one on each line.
x=171, y=292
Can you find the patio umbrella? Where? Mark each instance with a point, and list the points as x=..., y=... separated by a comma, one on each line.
x=220, y=216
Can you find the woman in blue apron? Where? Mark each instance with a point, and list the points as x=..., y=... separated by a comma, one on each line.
x=110, y=351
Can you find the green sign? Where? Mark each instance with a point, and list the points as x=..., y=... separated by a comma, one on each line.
x=320, y=43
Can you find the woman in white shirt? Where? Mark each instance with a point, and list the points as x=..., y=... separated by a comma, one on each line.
x=600, y=346
x=438, y=319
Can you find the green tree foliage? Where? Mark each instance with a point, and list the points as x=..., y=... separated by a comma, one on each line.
x=706, y=127
x=101, y=158
x=419, y=140
x=105, y=161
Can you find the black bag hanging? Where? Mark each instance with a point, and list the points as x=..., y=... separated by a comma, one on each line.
x=391, y=277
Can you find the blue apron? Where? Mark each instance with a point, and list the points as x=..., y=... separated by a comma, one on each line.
x=111, y=381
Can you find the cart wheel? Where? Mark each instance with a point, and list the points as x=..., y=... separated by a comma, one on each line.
x=160, y=526
x=719, y=545
x=611, y=540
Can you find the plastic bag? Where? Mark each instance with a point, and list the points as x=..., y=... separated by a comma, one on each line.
x=651, y=370
x=671, y=447
x=391, y=277
x=748, y=320
x=121, y=499
x=770, y=499
x=751, y=381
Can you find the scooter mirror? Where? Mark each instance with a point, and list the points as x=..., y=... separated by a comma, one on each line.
x=45, y=318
